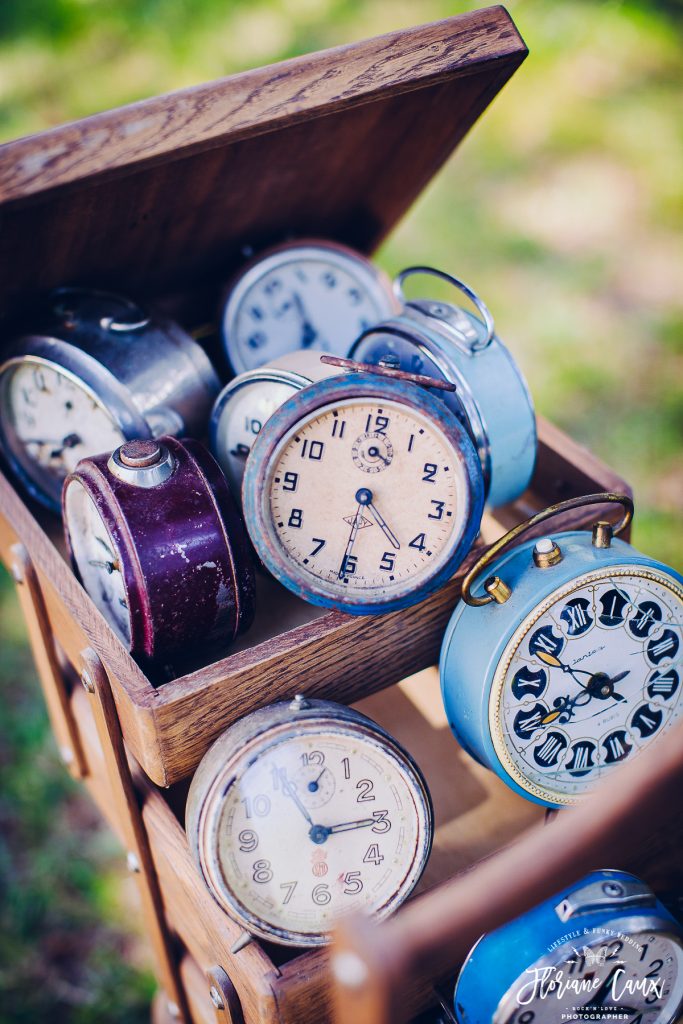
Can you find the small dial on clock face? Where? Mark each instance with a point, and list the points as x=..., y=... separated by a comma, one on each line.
x=588, y=684
x=301, y=298
x=367, y=497
x=356, y=822
x=49, y=422
x=98, y=559
x=243, y=416
x=635, y=977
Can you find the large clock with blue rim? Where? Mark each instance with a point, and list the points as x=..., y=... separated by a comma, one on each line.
x=566, y=661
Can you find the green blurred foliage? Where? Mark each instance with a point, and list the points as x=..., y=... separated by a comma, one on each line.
x=564, y=209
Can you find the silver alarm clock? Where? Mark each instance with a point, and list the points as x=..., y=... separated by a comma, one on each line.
x=92, y=372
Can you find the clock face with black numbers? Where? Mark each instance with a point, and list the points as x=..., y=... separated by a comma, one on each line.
x=357, y=820
x=317, y=297
x=588, y=680
x=365, y=501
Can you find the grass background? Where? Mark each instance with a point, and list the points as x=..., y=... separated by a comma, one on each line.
x=564, y=209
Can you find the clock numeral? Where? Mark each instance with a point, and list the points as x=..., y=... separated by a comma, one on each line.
x=576, y=616
x=257, y=339
x=353, y=883
x=372, y=855
x=28, y=398
x=313, y=757
x=582, y=760
x=39, y=380
x=663, y=684
x=312, y=450
x=347, y=767
x=329, y=279
x=365, y=788
x=439, y=507
x=296, y=518
x=240, y=451
x=321, y=894
x=248, y=840
x=418, y=542
x=355, y=296
x=527, y=683
x=259, y=806
x=429, y=472
x=527, y=722
x=319, y=545
x=382, y=819
x=647, y=720
x=549, y=752
x=253, y=426
x=617, y=747
x=546, y=640
x=349, y=565
x=411, y=442
x=648, y=615
x=613, y=602
x=338, y=427
x=290, y=887
x=655, y=968
x=256, y=313
x=262, y=872
x=290, y=481
x=663, y=647
x=387, y=562
x=380, y=425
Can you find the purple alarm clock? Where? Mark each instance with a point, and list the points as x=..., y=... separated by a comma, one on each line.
x=159, y=545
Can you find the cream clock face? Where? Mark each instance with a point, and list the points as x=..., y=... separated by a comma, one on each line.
x=366, y=496
x=588, y=681
x=639, y=975
x=357, y=828
x=97, y=558
x=306, y=297
x=50, y=421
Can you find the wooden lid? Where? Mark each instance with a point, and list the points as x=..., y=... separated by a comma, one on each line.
x=163, y=196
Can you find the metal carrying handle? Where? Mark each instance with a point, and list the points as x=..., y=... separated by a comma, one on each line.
x=602, y=498
x=460, y=286
x=60, y=298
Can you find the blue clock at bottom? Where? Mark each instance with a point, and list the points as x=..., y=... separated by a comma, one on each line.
x=604, y=949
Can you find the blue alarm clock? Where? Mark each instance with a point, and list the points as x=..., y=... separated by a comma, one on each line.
x=604, y=949
x=565, y=662
x=363, y=492
x=492, y=399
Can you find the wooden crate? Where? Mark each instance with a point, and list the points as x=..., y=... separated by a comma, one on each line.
x=160, y=200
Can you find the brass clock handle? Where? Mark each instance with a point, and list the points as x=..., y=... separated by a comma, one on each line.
x=496, y=589
x=460, y=286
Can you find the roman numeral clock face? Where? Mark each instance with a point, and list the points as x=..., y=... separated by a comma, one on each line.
x=588, y=681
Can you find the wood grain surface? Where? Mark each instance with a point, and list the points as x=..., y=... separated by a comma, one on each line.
x=162, y=196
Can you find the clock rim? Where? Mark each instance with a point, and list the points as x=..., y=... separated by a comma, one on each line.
x=301, y=406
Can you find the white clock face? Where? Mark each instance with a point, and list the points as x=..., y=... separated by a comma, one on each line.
x=588, y=681
x=356, y=824
x=636, y=978
x=367, y=498
x=302, y=298
x=98, y=559
x=243, y=416
x=50, y=422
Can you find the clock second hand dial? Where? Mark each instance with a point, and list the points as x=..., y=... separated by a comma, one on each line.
x=364, y=497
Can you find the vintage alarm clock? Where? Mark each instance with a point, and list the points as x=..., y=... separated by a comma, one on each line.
x=303, y=811
x=566, y=661
x=445, y=341
x=94, y=372
x=311, y=294
x=605, y=949
x=363, y=492
x=158, y=543
x=249, y=400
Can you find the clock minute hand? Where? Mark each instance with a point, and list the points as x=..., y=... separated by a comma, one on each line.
x=364, y=497
x=289, y=790
x=348, y=826
x=355, y=526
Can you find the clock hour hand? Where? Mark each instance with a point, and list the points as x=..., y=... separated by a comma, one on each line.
x=109, y=566
x=599, y=685
x=364, y=497
x=320, y=833
x=308, y=332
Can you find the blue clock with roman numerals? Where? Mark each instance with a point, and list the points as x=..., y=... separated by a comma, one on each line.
x=564, y=659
